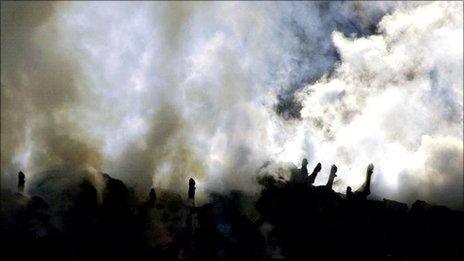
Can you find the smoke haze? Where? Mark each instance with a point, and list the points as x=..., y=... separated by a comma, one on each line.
x=155, y=93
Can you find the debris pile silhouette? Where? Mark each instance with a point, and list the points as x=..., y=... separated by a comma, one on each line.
x=287, y=219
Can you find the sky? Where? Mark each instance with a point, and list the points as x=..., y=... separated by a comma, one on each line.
x=154, y=93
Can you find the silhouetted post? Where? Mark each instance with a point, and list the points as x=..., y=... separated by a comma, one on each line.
x=191, y=191
x=313, y=175
x=152, y=198
x=332, y=176
x=369, y=172
x=21, y=181
x=365, y=189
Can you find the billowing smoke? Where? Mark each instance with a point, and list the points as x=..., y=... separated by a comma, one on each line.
x=154, y=93
x=42, y=87
x=396, y=100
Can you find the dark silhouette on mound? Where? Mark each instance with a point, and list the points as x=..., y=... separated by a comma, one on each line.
x=304, y=168
x=191, y=190
x=313, y=175
x=365, y=189
x=21, y=181
x=151, y=198
x=286, y=219
x=332, y=176
x=349, y=192
x=307, y=222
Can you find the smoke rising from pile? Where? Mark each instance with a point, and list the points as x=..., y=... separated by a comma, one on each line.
x=154, y=93
x=41, y=85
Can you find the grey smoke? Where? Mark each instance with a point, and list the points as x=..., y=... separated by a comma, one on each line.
x=154, y=93
x=40, y=87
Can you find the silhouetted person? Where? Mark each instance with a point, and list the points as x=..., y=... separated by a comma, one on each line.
x=301, y=175
x=349, y=192
x=152, y=198
x=313, y=175
x=332, y=176
x=365, y=189
x=191, y=191
x=304, y=168
x=21, y=181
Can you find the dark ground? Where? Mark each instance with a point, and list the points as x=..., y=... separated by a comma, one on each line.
x=286, y=220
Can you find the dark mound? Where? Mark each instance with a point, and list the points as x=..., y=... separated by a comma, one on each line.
x=287, y=219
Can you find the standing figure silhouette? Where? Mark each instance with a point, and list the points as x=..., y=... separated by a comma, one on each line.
x=191, y=191
x=21, y=181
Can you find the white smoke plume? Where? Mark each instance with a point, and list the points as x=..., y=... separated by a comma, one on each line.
x=154, y=93
x=396, y=99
